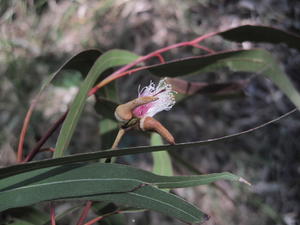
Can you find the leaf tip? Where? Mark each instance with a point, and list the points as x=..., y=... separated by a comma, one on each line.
x=242, y=180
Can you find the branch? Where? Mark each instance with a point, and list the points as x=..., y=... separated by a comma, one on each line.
x=117, y=74
x=85, y=212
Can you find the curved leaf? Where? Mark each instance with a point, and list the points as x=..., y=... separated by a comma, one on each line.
x=16, y=169
x=83, y=61
x=28, y=214
x=148, y=197
x=110, y=182
x=108, y=60
x=101, y=181
x=255, y=33
x=256, y=60
x=104, y=172
x=185, y=88
x=162, y=164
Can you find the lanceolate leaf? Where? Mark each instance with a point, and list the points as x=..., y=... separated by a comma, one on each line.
x=83, y=157
x=106, y=107
x=185, y=88
x=257, y=61
x=148, y=197
x=28, y=214
x=162, y=164
x=108, y=60
x=83, y=61
x=16, y=169
x=101, y=181
x=108, y=131
x=265, y=34
x=79, y=172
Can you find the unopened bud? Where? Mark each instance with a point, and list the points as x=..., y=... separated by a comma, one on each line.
x=123, y=113
x=151, y=124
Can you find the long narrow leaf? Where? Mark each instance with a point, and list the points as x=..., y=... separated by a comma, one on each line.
x=257, y=61
x=148, y=197
x=15, y=169
x=100, y=181
x=108, y=60
x=256, y=33
x=162, y=164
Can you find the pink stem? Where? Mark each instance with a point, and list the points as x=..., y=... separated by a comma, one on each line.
x=204, y=48
x=23, y=132
x=41, y=142
x=117, y=73
x=101, y=218
x=161, y=59
x=85, y=212
x=94, y=220
x=52, y=214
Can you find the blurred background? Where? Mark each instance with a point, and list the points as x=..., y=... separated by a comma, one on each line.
x=38, y=36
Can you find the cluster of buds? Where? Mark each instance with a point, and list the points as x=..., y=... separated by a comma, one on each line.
x=139, y=112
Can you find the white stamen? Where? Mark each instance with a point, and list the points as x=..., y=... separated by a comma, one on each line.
x=165, y=94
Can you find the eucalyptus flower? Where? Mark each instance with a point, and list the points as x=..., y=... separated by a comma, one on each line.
x=151, y=100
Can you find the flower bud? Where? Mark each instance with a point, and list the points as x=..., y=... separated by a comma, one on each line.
x=123, y=113
x=151, y=124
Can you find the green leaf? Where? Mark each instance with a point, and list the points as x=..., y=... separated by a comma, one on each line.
x=19, y=222
x=255, y=60
x=107, y=100
x=93, y=172
x=154, y=199
x=108, y=60
x=63, y=214
x=83, y=61
x=28, y=214
x=106, y=182
x=162, y=164
x=15, y=169
x=216, y=91
x=255, y=33
x=106, y=107
x=107, y=126
x=118, y=219
x=108, y=132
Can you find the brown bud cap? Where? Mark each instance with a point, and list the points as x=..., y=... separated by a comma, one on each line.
x=151, y=124
x=123, y=112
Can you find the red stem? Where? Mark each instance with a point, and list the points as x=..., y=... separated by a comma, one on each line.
x=47, y=149
x=128, y=72
x=85, y=212
x=204, y=48
x=117, y=73
x=101, y=218
x=52, y=214
x=42, y=141
x=94, y=220
x=161, y=59
x=23, y=132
